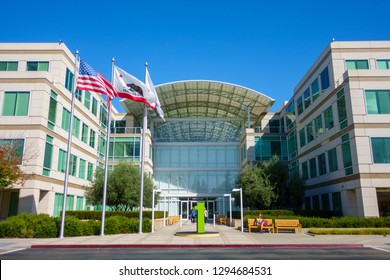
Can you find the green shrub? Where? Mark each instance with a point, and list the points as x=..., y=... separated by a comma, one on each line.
x=29, y=226
x=15, y=228
x=146, y=225
x=44, y=227
x=97, y=215
x=112, y=225
x=91, y=227
x=72, y=226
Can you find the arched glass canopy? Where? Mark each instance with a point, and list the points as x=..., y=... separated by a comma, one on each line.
x=203, y=111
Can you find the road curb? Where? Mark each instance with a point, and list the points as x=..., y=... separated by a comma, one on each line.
x=186, y=246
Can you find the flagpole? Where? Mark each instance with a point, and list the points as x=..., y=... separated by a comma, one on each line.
x=107, y=154
x=68, y=151
x=144, y=128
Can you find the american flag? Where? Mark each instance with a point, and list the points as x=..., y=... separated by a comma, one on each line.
x=91, y=80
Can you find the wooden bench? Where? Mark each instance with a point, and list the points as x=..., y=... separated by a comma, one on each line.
x=222, y=220
x=251, y=224
x=288, y=224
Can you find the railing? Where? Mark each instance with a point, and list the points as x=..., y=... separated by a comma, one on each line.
x=268, y=129
x=126, y=130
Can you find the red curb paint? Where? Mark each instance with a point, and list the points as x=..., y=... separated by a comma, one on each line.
x=157, y=246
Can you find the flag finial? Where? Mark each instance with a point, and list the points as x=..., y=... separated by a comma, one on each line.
x=146, y=64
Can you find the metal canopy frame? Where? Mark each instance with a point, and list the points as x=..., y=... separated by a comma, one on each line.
x=208, y=111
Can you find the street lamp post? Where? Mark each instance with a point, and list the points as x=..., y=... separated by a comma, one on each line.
x=165, y=202
x=230, y=207
x=241, y=206
x=154, y=193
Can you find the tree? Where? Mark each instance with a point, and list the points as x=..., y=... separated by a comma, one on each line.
x=10, y=172
x=123, y=188
x=258, y=191
x=296, y=191
x=278, y=173
x=289, y=188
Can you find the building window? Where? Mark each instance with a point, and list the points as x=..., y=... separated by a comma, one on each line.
x=318, y=126
x=69, y=80
x=243, y=152
x=101, y=146
x=292, y=144
x=294, y=168
x=337, y=205
x=380, y=149
x=321, y=164
x=82, y=168
x=383, y=63
x=274, y=126
x=65, y=122
x=290, y=115
x=84, y=133
x=315, y=89
x=76, y=127
x=103, y=115
x=94, y=106
x=52, y=110
x=316, y=202
x=73, y=165
x=92, y=138
x=37, y=66
x=90, y=172
x=47, y=160
x=61, y=161
x=332, y=160
x=79, y=203
x=125, y=149
x=87, y=99
x=299, y=105
x=342, y=110
x=307, y=203
x=305, y=171
x=325, y=202
x=268, y=146
x=356, y=64
x=347, y=156
x=79, y=95
x=324, y=77
x=306, y=97
x=309, y=132
x=328, y=117
x=8, y=66
x=302, y=137
x=378, y=101
x=118, y=126
x=16, y=103
x=313, y=168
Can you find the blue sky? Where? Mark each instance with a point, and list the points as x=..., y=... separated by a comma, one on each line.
x=263, y=45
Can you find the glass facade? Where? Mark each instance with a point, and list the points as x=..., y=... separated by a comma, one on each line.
x=204, y=169
x=268, y=146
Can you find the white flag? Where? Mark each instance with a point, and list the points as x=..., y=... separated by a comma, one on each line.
x=129, y=87
x=150, y=85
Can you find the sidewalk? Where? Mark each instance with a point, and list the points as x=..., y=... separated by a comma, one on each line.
x=224, y=237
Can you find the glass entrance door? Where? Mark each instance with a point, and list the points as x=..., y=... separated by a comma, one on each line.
x=210, y=208
x=184, y=210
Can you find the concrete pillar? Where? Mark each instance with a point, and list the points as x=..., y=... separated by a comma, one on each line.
x=367, y=202
x=28, y=200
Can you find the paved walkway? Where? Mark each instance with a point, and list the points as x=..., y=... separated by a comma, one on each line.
x=226, y=237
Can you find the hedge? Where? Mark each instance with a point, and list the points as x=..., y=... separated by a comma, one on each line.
x=43, y=226
x=97, y=214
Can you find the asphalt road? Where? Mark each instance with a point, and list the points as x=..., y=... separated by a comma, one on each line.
x=199, y=254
